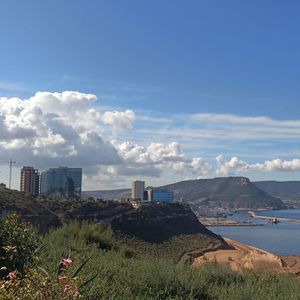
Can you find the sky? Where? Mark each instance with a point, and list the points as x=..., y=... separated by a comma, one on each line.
x=155, y=90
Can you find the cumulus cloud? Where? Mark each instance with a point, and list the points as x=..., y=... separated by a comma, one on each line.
x=56, y=128
x=53, y=129
x=158, y=157
x=119, y=120
x=235, y=166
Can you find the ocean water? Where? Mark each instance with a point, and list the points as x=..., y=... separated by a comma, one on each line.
x=281, y=239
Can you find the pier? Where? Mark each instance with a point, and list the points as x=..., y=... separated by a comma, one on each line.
x=271, y=219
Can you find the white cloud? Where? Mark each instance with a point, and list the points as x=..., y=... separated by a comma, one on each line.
x=235, y=166
x=52, y=129
x=55, y=128
x=119, y=120
x=159, y=157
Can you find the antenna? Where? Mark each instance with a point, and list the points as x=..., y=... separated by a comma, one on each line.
x=11, y=162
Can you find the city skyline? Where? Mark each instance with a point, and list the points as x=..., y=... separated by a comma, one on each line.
x=143, y=90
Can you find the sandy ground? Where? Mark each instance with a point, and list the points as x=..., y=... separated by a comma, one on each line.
x=243, y=257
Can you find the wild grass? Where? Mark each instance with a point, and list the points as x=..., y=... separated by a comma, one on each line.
x=137, y=276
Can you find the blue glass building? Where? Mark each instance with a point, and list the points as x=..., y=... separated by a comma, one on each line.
x=61, y=182
x=162, y=196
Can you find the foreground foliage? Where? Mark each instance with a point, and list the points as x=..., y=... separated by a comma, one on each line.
x=18, y=243
x=100, y=266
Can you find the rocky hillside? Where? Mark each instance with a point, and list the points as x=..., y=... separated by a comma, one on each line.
x=156, y=223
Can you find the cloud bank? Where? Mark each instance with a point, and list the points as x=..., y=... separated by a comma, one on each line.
x=52, y=129
x=115, y=146
x=236, y=166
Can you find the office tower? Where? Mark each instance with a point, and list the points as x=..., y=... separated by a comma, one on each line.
x=137, y=192
x=30, y=181
x=61, y=182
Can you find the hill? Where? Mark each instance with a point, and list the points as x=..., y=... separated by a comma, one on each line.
x=286, y=190
x=170, y=231
x=223, y=192
x=156, y=223
x=166, y=230
x=29, y=208
x=45, y=213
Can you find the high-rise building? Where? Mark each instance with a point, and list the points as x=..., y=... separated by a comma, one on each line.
x=61, y=182
x=137, y=191
x=30, y=181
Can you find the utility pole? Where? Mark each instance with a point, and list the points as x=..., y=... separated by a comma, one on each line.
x=11, y=162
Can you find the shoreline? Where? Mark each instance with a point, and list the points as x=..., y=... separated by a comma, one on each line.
x=243, y=257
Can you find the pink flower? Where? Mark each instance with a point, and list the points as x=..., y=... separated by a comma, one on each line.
x=62, y=277
x=65, y=262
x=11, y=275
x=68, y=287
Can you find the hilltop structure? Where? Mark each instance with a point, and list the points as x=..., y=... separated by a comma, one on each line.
x=137, y=191
x=2, y=186
x=150, y=194
x=61, y=182
x=158, y=195
x=30, y=181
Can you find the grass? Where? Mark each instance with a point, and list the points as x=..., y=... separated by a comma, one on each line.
x=137, y=276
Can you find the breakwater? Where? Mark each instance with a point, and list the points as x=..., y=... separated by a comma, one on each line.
x=254, y=215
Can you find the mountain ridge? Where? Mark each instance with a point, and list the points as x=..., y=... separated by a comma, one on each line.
x=223, y=192
x=286, y=190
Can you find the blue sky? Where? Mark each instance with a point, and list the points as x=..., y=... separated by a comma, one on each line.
x=168, y=60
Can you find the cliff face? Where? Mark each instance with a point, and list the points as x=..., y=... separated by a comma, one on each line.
x=156, y=223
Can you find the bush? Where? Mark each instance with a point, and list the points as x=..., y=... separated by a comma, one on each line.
x=18, y=242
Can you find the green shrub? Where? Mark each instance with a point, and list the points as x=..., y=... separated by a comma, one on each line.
x=18, y=242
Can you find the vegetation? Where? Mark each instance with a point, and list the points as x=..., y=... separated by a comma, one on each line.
x=18, y=244
x=134, y=254
x=45, y=213
x=98, y=267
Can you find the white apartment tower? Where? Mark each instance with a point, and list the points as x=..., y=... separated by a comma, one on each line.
x=138, y=188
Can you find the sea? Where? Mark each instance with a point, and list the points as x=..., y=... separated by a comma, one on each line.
x=281, y=239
